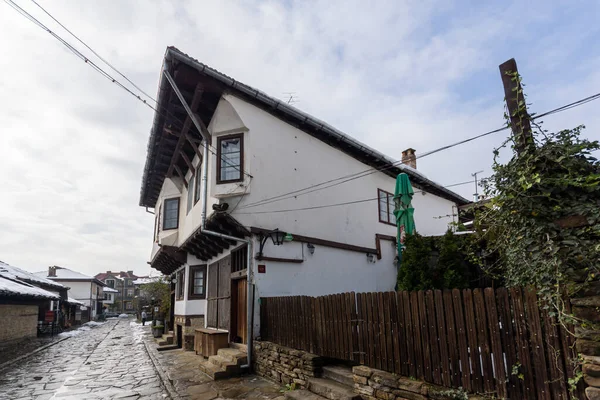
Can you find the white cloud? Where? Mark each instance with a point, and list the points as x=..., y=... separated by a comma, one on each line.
x=394, y=74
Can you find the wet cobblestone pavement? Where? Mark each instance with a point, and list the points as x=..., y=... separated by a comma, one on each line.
x=107, y=362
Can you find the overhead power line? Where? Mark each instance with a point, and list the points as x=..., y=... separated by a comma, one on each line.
x=295, y=193
x=83, y=57
x=337, y=204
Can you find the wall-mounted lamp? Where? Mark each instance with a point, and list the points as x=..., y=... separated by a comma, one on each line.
x=371, y=257
x=277, y=236
x=311, y=248
x=174, y=280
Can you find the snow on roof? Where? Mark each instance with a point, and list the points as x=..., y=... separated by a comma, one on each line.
x=65, y=273
x=73, y=301
x=110, y=290
x=145, y=280
x=10, y=272
x=15, y=288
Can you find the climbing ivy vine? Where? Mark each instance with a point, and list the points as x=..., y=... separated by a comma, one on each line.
x=543, y=216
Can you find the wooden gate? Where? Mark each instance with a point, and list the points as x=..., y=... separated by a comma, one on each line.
x=219, y=294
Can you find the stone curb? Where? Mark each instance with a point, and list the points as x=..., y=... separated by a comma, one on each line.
x=24, y=356
x=165, y=380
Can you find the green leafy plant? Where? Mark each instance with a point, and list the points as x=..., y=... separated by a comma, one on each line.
x=453, y=394
x=516, y=371
x=289, y=387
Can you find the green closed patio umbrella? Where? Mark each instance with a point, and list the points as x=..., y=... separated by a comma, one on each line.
x=404, y=212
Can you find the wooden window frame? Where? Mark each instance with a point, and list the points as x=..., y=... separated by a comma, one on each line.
x=387, y=195
x=219, y=140
x=179, y=287
x=193, y=269
x=190, y=201
x=164, y=217
x=198, y=182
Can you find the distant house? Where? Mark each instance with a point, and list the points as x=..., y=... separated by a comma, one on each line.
x=24, y=299
x=110, y=295
x=83, y=288
x=122, y=282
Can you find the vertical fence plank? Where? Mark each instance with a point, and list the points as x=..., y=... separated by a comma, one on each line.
x=318, y=328
x=360, y=307
x=346, y=354
x=537, y=345
x=337, y=326
x=313, y=330
x=452, y=339
x=508, y=343
x=411, y=347
x=414, y=303
x=433, y=338
x=461, y=334
x=443, y=339
x=380, y=329
x=426, y=348
x=471, y=327
x=372, y=343
x=558, y=387
x=567, y=341
x=352, y=318
x=402, y=336
x=333, y=340
x=396, y=332
x=523, y=350
x=494, y=329
x=387, y=308
x=483, y=341
x=349, y=324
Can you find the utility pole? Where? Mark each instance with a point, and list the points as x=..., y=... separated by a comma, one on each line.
x=515, y=102
x=476, y=187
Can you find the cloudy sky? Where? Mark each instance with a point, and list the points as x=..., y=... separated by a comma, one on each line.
x=394, y=74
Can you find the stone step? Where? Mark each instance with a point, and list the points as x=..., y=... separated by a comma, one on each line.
x=168, y=338
x=340, y=374
x=302, y=395
x=167, y=347
x=332, y=390
x=239, y=346
x=215, y=372
x=224, y=364
x=233, y=355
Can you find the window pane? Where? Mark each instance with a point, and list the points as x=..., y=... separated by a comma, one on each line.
x=230, y=154
x=198, y=182
x=190, y=195
x=171, y=213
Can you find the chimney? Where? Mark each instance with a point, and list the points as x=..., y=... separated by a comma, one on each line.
x=52, y=272
x=108, y=272
x=409, y=158
x=130, y=272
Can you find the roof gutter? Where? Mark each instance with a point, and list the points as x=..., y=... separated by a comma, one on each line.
x=204, y=191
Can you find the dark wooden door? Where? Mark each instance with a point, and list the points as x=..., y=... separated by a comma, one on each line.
x=241, y=314
x=219, y=294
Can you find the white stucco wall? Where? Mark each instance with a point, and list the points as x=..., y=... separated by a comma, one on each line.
x=83, y=291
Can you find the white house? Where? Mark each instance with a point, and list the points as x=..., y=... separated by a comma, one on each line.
x=270, y=168
x=83, y=288
x=109, y=297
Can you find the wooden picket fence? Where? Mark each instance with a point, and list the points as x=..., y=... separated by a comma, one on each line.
x=496, y=341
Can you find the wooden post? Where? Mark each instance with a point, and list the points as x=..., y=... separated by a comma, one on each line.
x=515, y=102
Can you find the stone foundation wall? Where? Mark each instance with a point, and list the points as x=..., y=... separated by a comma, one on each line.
x=17, y=322
x=374, y=384
x=188, y=325
x=588, y=340
x=285, y=365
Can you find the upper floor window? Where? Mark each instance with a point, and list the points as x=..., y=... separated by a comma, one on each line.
x=386, y=207
x=129, y=292
x=197, y=282
x=190, y=194
x=230, y=158
x=110, y=283
x=180, y=284
x=197, y=183
x=171, y=215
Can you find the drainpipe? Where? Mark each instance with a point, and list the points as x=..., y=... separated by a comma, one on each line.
x=204, y=192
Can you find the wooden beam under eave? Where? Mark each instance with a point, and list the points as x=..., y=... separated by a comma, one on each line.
x=187, y=124
x=194, y=146
x=188, y=162
x=178, y=170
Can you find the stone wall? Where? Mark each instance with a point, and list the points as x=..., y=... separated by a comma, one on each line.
x=285, y=365
x=188, y=325
x=17, y=321
x=374, y=384
x=588, y=340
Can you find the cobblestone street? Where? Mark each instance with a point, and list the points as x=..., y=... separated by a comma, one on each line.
x=106, y=362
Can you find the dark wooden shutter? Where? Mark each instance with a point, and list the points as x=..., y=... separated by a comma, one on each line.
x=212, y=295
x=224, y=293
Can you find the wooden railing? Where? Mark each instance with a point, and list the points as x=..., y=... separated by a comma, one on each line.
x=496, y=341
